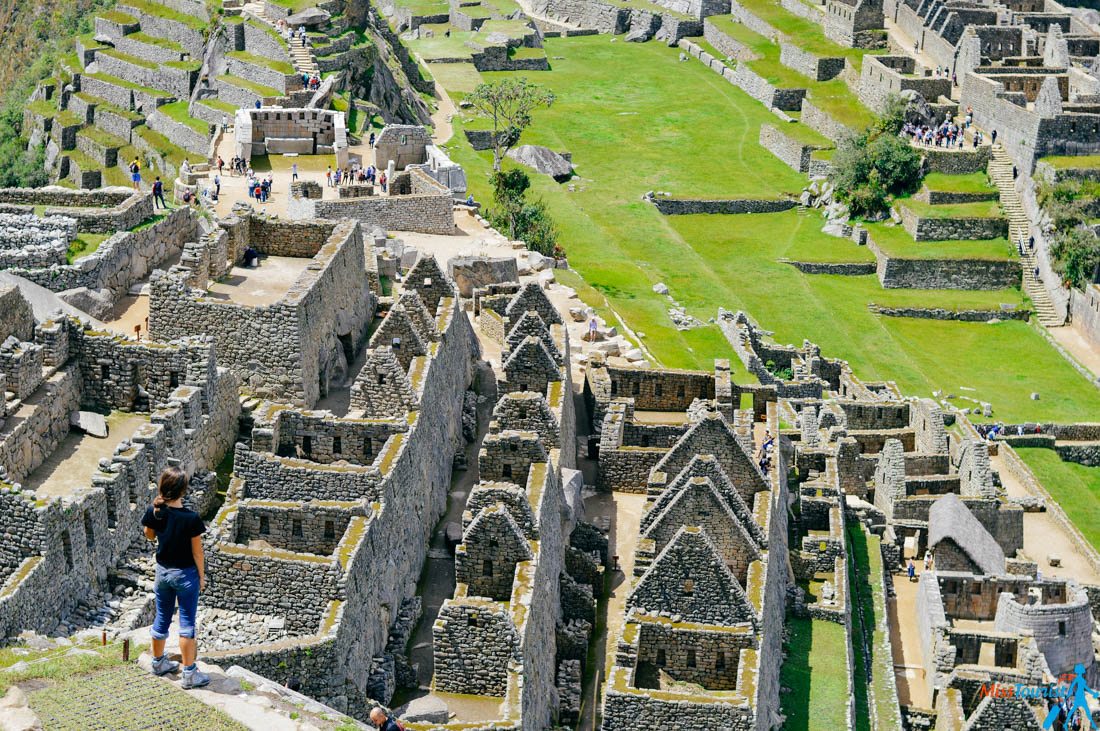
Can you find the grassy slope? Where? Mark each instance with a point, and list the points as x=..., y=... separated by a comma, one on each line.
x=1074, y=486
x=631, y=116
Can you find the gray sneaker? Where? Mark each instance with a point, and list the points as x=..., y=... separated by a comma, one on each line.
x=194, y=678
x=163, y=665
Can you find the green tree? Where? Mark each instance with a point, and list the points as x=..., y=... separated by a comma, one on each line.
x=870, y=168
x=524, y=220
x=508, y=105
x=892, y=119
x=1077, y=255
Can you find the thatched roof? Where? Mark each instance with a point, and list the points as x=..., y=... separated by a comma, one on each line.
x=950, y=519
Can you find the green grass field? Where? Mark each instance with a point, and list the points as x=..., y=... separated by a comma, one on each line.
x=1074, y=486
x=631, y=116
x=896, y=241
x=969, y=183
x=813, y=672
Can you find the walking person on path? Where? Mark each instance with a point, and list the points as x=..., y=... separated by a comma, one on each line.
x=294, y=171
x=180, y=576
x=135, y=173
x=158, y=193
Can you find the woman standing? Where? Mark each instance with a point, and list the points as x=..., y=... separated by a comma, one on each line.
x=180, y=574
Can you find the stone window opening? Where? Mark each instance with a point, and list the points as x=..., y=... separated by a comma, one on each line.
x=688, y=587
x=720, y=661
x=89, y=532
x=513, y=447
x=486, y=568
x=296, y=528
x=658, y=389
x=381, y=379
x=307, y=445
x=523, y=413
x=330, y=530
x=1061, y=629
x=337, y=445
x=691, y=660
x=368, y=450
x=614, y=387
x=173, y=379
x=67, y=549
x=506, y=470
x=494, y=543
x=104, y=371
x=265, y=525
x=635, y=388
x=680, y=391
x=702, y=392
x=471, y=620
x=661, y=659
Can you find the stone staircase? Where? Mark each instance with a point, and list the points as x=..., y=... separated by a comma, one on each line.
x=1019, y=226
x=300, y=55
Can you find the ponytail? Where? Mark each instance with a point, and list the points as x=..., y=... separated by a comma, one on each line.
x=171, y=486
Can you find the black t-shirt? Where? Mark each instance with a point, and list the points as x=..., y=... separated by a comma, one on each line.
x=175, y=528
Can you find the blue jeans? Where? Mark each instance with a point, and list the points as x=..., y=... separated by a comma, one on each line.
x=172, y=586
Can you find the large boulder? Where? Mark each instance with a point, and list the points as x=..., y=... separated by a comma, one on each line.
x=472, y=272
x=426, y=709
x=542, y=159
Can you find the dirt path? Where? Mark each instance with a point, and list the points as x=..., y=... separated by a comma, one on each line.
x=1043, y=536
x=908, y=654
x=1070, y=338
x=442, y=129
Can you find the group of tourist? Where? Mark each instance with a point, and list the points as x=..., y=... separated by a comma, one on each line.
x=990, y=432
x=311, y=82
x=259, y=188
x=349, y=175
x=237, y=166
x=947, y=134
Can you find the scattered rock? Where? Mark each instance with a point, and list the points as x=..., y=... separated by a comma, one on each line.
x=90, y=423
x=634, y=354
x=578, y=314
x=1034, y=395
x=472, y=272
x=660, y=288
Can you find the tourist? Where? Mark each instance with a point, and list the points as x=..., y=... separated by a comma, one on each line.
x=259, y=104
x=382, y=720
x=305, y=79
x=302, y=35
x=927, y=560
x=135, y=173
x=372, y=139
x=382, y=182
x=294, y=171
x=217, y=186
x=258, y=192
x=225, y=123
x=180, y=574
x=221, y=164
x=911, y=570
x=1031, y=243
x=328, y=177
x=993, y=137
x=158, y=193
x=470, y=200
x=251, y=258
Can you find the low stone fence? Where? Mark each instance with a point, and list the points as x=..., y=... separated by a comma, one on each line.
x=939, y=313
x=790, y=150
x=748, y=80
x=818, y=68
x=820, y=121
x=948, y=197
x=724, y=43
x=897, y=273
x=429, y=208
x=956, y=161
x=848, y=269
x=179, y=133
x=971, y=228
x=104, y=210
x=730, y=206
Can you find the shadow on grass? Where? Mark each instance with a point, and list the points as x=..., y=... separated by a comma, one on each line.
x=863, y=622
x=796, y=674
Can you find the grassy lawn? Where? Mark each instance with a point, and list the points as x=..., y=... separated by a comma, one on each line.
x=258, y=89
x=808, y=35
x=458, y=79
x=280, y=163
x=815, y=672
x=1074, y=486
x=282, y=67
x=178, y=111
x=84, y=244
x=867, y=594
x=896, y=241
x=443, y=46
x=630, y=115
x=801, y=133
x=979, y=209
x=162, y=11
x=969, y=183
x=1079, y=162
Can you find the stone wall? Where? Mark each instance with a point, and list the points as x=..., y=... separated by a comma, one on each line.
x=304, y=349
x=181, y=134
x=820, y=121
x=790, y=150
x=815, y=67
x=895, y=273
x=926, y=228
x=690, y=206
x=939, y=313
x=746, y=79
x=429, y=209
x=123, y=259
x=1085, y=310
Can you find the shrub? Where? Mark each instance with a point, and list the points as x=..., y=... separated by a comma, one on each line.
x=526, y=220
x=870, y=168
